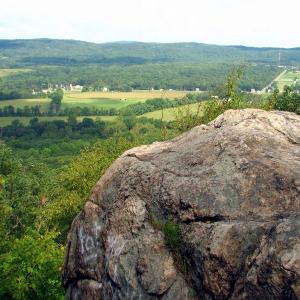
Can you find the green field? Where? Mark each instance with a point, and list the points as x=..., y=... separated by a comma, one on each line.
x=69, y=102
x=107, y=100
x=134, y=95
x=4, y=121
x=43, y=103
x=169, y=114
x=97, y=101
x=287, y=79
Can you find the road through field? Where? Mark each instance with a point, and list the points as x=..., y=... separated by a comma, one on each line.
x=264, y=90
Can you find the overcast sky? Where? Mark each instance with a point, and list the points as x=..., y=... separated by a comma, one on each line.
x=242, y=22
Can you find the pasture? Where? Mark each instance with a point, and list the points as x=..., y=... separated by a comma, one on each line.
x=105, y=100
x=43, y=103
x=169, y=114
x=99, y=100
x=287, y=79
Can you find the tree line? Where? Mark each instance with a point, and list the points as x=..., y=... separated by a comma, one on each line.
x=177, y=76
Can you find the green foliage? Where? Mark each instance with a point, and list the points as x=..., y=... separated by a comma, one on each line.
x=150, y=105
x=69, y=53
x=31, y=268
x=171, y=75
x=232, y=95
x=32, y=207
x=289, y=100
x=29, y=261
x=186, y=118
x=174, y=241
x=21, y=189
x=56, y=98
x=228, y=97
x=74, y=183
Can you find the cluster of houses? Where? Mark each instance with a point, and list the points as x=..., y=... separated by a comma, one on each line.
x=79, y=88
x=65, y=87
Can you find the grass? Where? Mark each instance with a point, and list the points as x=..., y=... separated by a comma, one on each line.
x=71, y=101
x=4, y=121
x=287, y=79
x=169, y=113
x=135, y=95
x=43, y=103
x=105, y=100
x=7, y=72
x=98, y=100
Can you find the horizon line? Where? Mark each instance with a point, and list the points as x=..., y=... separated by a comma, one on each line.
x=148, y=42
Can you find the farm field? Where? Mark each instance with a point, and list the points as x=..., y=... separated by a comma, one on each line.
x=4, y=121
x=135, y=95
x=105, y=100
x=7, y=72
x=115, y=100
x=287, y=79
x=169, y=113
x=97, y=100
x=43, y=103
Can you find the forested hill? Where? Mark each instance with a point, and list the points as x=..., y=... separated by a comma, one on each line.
x=133, y=65
x=20, y=53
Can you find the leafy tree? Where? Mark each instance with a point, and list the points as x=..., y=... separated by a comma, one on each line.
x=56, y=98
x=29, y=260
x=289, y=100
x=75, y=182
x=31, y=268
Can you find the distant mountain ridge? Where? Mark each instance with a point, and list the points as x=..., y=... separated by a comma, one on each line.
x=31, y=52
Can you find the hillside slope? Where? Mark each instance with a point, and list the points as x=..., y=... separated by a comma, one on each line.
x=71, y=52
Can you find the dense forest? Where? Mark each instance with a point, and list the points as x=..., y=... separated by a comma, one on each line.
x=177, y=76
x=20, y=53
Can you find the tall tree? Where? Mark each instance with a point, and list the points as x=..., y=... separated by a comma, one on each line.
x=56, y=99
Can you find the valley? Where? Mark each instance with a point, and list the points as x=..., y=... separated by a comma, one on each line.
x=69, y=109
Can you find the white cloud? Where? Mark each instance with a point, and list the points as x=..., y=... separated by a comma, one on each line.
x=255, y=22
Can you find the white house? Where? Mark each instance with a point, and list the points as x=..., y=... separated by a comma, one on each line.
x=77, y=88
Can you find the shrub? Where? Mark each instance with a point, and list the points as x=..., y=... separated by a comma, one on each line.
x=32, y=268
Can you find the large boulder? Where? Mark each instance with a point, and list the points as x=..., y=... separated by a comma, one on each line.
x=233, y=188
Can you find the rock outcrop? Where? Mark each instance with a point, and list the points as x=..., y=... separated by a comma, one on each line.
x=233, y=187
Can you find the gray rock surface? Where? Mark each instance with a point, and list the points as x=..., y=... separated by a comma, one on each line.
x=234, y=188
